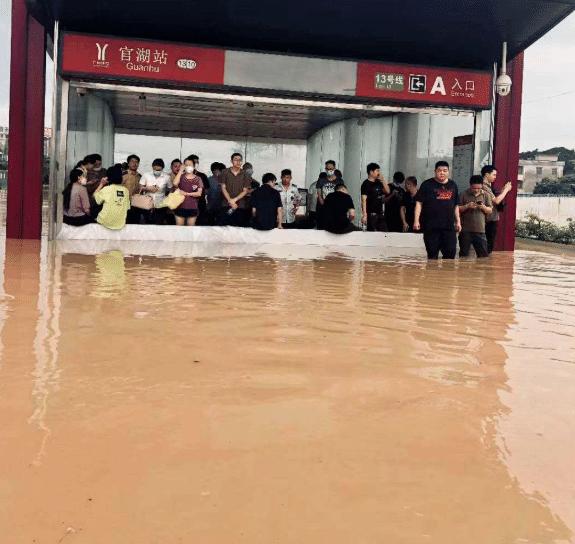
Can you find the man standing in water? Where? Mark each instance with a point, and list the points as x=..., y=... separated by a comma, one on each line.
x=437, y=213
x=373, y=190
x=489, y=173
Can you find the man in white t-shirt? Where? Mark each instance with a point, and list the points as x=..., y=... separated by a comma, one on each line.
x=155, y=184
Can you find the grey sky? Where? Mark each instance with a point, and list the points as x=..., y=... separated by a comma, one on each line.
x=548, y=92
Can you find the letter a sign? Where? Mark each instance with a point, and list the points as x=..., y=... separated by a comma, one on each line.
x=438, y=86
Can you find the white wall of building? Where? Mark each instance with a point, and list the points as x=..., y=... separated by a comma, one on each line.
x=265, y=155
x=408, y=142
x=90, y=129
x=556, y=209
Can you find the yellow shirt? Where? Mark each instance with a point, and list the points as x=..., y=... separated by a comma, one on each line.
x=116, y=200
x=132, y=182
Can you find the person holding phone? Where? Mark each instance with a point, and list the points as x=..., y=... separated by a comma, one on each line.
x=475, y=205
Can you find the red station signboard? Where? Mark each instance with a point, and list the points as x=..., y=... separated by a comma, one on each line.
x=139, y=59
x=108, y=58
x=441, y=86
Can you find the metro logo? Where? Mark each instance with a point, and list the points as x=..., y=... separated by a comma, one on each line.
x=187, y=64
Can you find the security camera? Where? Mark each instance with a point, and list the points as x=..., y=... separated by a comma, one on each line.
x=503, y=85
x=81, y=91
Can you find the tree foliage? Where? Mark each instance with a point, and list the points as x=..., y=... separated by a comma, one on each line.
x=538, y=229
x=561, y=186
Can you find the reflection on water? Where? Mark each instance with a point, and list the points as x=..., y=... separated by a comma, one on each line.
x=268, y=396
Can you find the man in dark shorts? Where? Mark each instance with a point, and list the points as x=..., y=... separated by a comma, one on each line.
x=407, y=210
x=338, y=211
x=373, y=190
x=437, y=213
x=235, y=188
x=266, y=205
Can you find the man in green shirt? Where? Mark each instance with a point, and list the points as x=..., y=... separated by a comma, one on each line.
x=474, y=206
x=115, y=199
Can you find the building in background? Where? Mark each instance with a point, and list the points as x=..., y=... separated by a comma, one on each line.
x=544, y=166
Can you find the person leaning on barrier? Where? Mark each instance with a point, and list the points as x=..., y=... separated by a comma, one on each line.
x=373, y=190
x=214, y=192
x=407, y=210
x=475, y=205
x=266, y=205
x=437, y=213
x=338, y=211
x=114, y=197
x=76, y=200
x=489, y=173
x=156, y=183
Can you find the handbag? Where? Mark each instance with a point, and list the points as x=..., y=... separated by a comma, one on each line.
x=173, y=200
x=144, y=202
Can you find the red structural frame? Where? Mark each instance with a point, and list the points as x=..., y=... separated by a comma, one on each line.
x=506, y=151
x=27, y=90
x=26, y=136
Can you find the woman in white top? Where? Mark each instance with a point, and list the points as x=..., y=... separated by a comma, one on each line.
x=156, y=183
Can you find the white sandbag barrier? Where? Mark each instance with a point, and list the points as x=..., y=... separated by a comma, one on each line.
x=236, y=235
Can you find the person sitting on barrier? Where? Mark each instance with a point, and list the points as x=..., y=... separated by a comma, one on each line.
x=191, y=186
x=95, y=172
x=339, y=211
x=115, y=198
x=407, y=210
x=475, y=205
x=235, y=187
x=373, y=190
x=266, y=205
x=155, y=183
x=76, y=200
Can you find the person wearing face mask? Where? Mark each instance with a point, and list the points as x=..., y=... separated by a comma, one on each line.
x=325, y=186
x=155, y=183
x=191, y=186
x=76, y=200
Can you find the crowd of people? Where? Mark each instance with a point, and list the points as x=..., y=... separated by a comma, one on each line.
x=185, y=196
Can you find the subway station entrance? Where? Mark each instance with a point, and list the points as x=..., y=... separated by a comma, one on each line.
x=162, y=100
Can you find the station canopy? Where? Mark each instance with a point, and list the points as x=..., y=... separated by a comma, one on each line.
x=429, y=32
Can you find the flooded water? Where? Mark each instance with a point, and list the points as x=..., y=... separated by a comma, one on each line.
x=244, y=396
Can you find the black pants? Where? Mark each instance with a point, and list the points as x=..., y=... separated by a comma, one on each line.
x=240, y=217
x=376, y=222
x=437, y=240
x=491, y=234
x=78, y=221
x=476, y=239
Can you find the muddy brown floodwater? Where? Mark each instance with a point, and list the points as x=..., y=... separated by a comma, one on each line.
x=261, y=399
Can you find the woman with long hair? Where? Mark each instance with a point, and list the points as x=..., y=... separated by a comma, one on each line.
x=76, y=200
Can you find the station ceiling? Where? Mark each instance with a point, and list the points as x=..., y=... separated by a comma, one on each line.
x=191, y=115
x=459, y=33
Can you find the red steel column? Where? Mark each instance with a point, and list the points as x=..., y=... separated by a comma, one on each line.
x=26, y=136
x=506, y=151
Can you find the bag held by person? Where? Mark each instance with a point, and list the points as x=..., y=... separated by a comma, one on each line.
x=144, y=202
x=173, y=200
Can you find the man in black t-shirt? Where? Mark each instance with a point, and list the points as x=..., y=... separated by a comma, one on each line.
x=373, y=190
x=266, y=205
x=339, y=211
x=393, y=203
x=437, y=213
x=407, y=210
